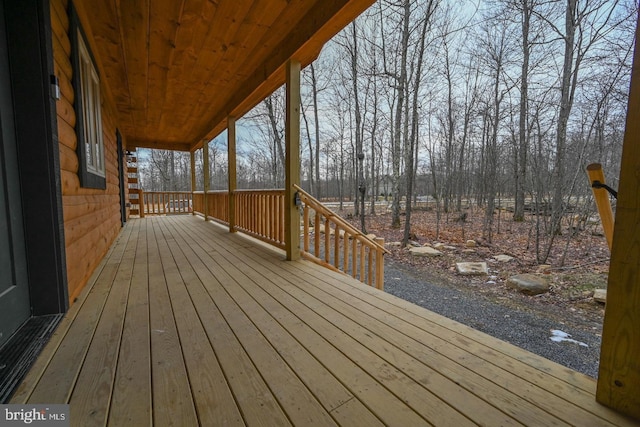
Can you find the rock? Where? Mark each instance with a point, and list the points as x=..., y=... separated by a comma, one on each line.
x=394, y=244
x=468, y=251
x=544, y=269
x=600, y=295
x=371, y=236
x=503, y=258
x=450, y=248
x=529, y=284
x=414, y=244
x=438, y=246
x=471, y=244
x=425, y=251
x=472, y=268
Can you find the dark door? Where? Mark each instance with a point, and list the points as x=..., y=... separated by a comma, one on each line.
x=14, y=290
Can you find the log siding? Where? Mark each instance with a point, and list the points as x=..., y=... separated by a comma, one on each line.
x=91, y=216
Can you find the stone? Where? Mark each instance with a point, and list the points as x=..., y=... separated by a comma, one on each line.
x=438, y=246
x=503, y=258
x=472, y=268
x=394, y=244
x=450, y=248
x=468, y=251
x=529, y=284
x=600, y=295
x=371, y=236
x=425, y=251
x=414, y=244
x=471, y=244
x=544, y=269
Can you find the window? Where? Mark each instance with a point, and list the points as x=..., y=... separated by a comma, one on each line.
x=86, y=84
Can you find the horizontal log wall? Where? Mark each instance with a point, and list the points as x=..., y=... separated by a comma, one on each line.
x=91, y=217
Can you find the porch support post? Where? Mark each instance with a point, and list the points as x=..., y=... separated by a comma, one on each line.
x=231, y=155
x=205, y=162
x=292, y=161
x=619, y=376
x=193, y=179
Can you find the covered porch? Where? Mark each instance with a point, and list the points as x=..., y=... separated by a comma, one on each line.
x=184, y=323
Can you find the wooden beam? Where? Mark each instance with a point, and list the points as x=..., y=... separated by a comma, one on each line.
x=176, y=146
x=205, y=163
x=619, y=376
x=292, y=161
x=601, y=196
x=192, y=155
x=231, y=155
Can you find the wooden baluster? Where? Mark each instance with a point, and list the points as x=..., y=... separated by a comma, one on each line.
x=316, y=234
x=274, y=217
x=345, y=247
x=326, y=239
x=380, y=264
x=362, y=262
x=354, y=256
x=281, y=216
x=370, y=265
x=305, y=234
x=336, y=245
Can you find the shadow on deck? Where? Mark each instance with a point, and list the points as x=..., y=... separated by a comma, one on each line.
x=186, y=324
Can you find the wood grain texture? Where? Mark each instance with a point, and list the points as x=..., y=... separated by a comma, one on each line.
x=185, y=323
x=176, y=70
x=619, y=375
x=91, y=217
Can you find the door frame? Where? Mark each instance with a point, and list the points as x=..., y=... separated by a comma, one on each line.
x=30, y=48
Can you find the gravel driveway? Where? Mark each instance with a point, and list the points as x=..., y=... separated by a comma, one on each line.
x=528, y=330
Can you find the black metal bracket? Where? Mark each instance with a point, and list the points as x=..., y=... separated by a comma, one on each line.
x=598, y=184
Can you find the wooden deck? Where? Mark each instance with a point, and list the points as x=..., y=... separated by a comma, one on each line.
x=186, y=324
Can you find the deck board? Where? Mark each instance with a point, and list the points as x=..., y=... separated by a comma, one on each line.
x=186, y=324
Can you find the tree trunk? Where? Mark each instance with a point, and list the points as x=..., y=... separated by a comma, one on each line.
x=523, y=134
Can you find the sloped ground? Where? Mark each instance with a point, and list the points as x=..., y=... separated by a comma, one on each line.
x=485, y=302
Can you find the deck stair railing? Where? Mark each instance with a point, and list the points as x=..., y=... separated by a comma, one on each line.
x=329, y=240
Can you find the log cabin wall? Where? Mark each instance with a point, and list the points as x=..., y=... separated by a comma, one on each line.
x=91, y=216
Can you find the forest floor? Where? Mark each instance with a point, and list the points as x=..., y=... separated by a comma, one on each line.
x=577, y=264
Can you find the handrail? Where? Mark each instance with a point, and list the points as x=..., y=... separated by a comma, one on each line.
x=345, y=256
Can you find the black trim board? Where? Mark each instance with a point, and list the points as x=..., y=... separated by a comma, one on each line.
x=31, y=60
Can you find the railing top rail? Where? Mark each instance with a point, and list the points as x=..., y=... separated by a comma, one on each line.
x=318, y=206
x=166, y=192
x=265, y=190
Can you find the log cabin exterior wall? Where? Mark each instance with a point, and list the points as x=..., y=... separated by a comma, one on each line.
x=91, y=216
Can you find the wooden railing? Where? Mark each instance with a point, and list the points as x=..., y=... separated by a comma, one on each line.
x=327, y=239
x=165, y=202
x=332, y=242
x=260, y=213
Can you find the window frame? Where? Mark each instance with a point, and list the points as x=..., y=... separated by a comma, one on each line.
x=88, y=108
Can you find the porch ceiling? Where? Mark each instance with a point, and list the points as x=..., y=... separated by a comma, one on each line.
x=178, y=69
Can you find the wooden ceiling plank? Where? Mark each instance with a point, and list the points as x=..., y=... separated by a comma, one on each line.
x=101, y=26
x=256, y=22
x=134, y=35
x=163, y=28
x=235, y=73
x=323, y=21
x=196, y=22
